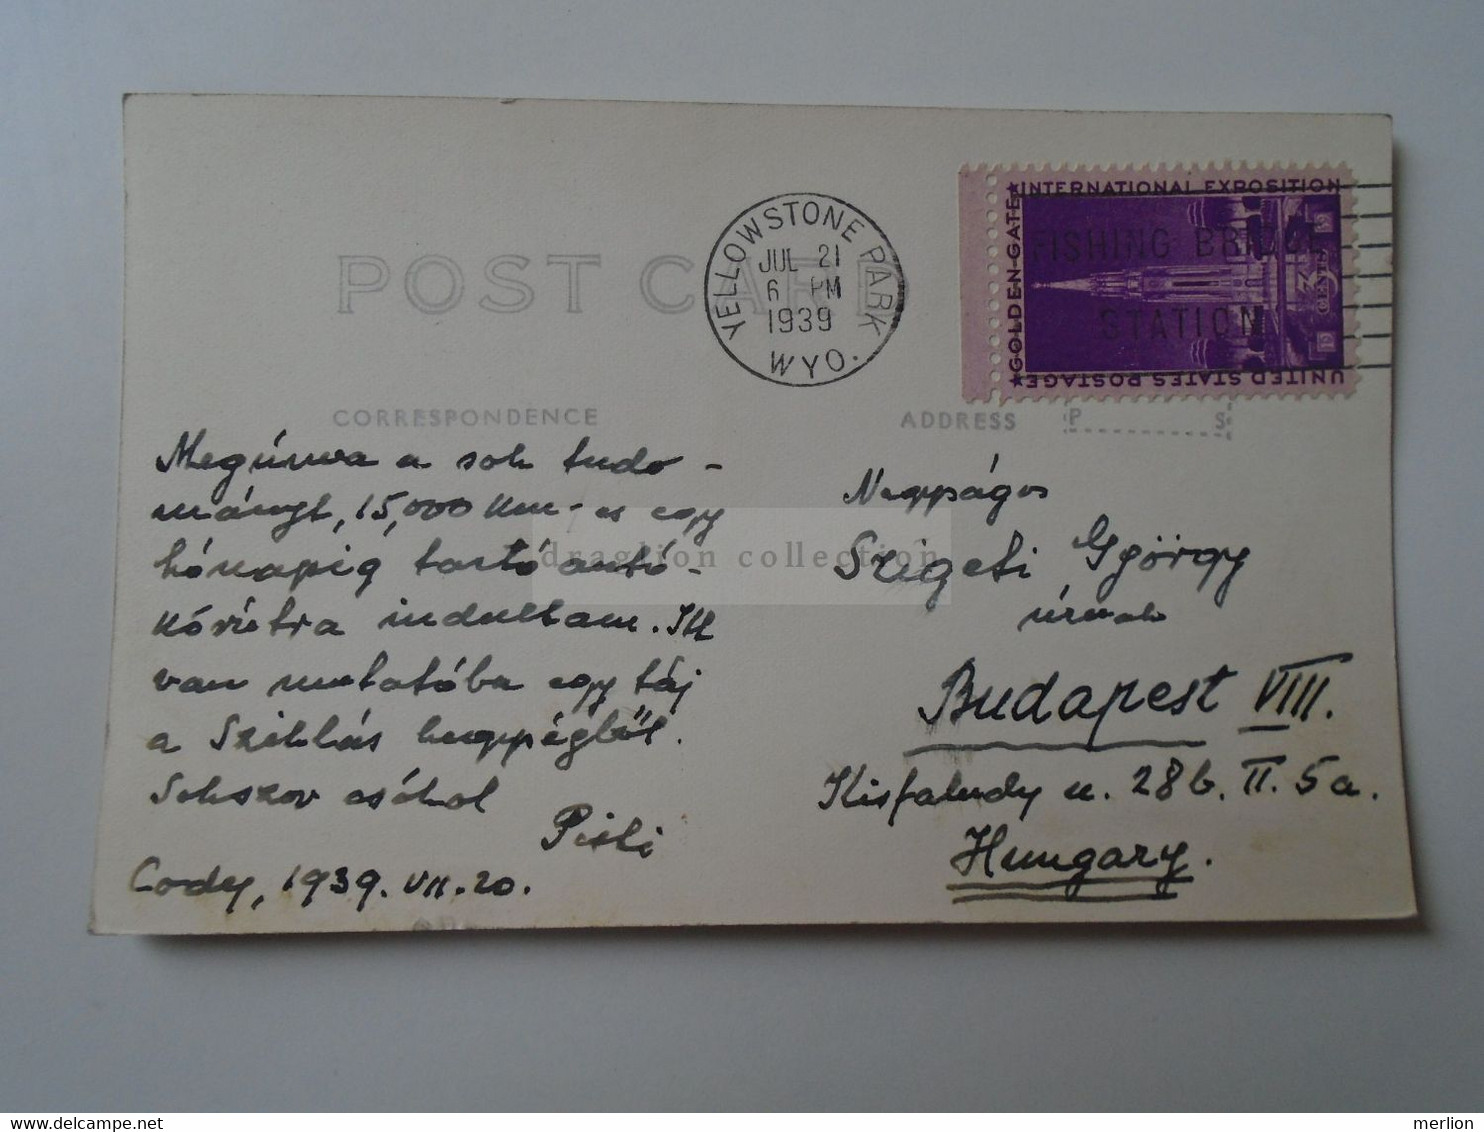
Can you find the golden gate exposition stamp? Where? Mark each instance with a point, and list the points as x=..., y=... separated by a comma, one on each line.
x=1160, y=281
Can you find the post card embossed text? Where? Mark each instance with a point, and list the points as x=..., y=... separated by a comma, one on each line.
x=584, y=514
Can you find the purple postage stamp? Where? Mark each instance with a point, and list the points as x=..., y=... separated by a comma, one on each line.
x=1155, y=281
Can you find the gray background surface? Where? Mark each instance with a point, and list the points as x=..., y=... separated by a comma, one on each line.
x=1206, y=1017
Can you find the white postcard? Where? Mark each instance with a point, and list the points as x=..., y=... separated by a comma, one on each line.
x=543, y=514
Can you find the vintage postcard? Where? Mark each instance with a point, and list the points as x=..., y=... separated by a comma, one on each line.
x=542, y=514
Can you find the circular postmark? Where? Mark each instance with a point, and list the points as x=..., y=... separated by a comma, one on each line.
x=803, y=289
